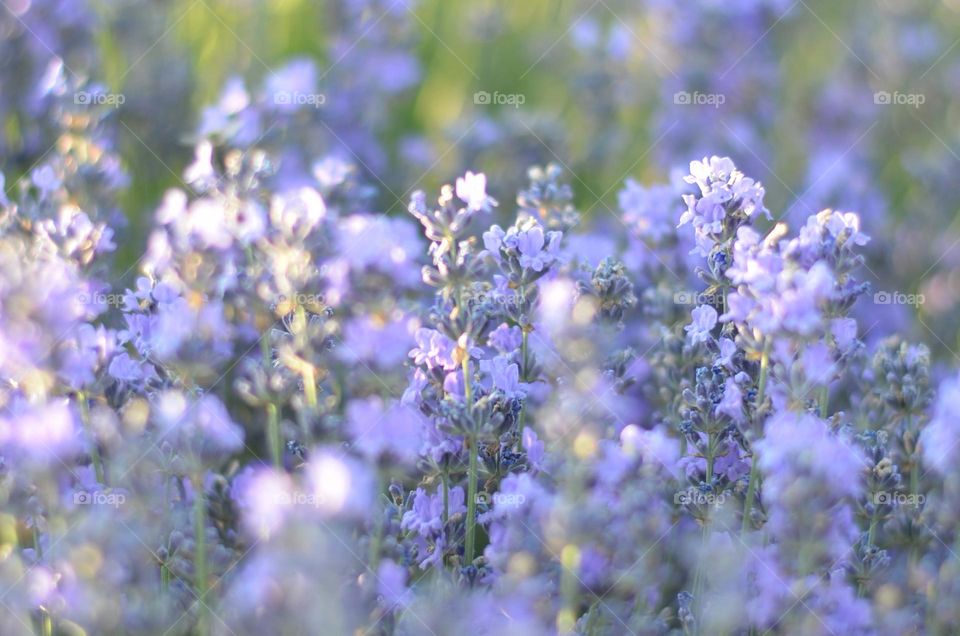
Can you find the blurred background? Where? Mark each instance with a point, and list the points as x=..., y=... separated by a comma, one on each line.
x=851, y=105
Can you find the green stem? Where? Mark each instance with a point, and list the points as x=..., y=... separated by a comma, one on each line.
x=200, y=553
x=467, y=388
x=699, y=578
x=377, y=538
x=46, y=625
x=824, y=401
x=308, y=373
x=524, y=352
x=570, y=562
x=764, y=373
x=873, y=527
x=523, y=378
x=265, y=352
x=274, y=441
x=754, y=461
x=444, y=478
x=94, y=446
x=471, y=529
x=711, y=459
x=751, y=493
x=862, y=586
x=310, y=388
x=914, y=459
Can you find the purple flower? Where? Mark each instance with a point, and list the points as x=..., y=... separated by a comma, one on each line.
x=200, y=426
x=45, y=432
x=287, y=85
x=809, y=476
x=297, y=212
x=453, y=385
x=534, y=447
x=505, y=339
x=530, y=241
x=264, y=498
x=426, y=516
x=392, y=586
x=704, y=320
x=376, y=243
x=433, y=350
x=84, y=353
x=472, y=190
x=412, y=395
x=818, y=365
x=844, y=332
x=655, y=447
x=493, y=240
x=125, y=369
x=378, y=343
x=377, y=430
x=533, y=254
x=731, y=404
x=940, y=440
x=527, y=243
x=504, y=376
x=649, y=211
x=341, y=486
x=201, y=173
x=727, y=350
x=726, y=198
x=804, y=443
x=45, y=178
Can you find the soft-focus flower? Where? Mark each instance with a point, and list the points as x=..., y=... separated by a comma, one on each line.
x=940, y=441
x=472, y=190
x=704, y=320
x=202, y=426
x=385, y=430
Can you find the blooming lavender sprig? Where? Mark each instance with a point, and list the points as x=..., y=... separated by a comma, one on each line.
x=811, y=475
x=726, y=200
x=795, y=290
x=71, y=196
x=526, y=252
x=896, y=397
x=548, y=198
x=443, y=386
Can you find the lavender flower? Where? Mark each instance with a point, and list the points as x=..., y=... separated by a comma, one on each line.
x=704, y=320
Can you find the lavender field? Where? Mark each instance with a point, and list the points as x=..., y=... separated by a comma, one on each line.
x=456, y=317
